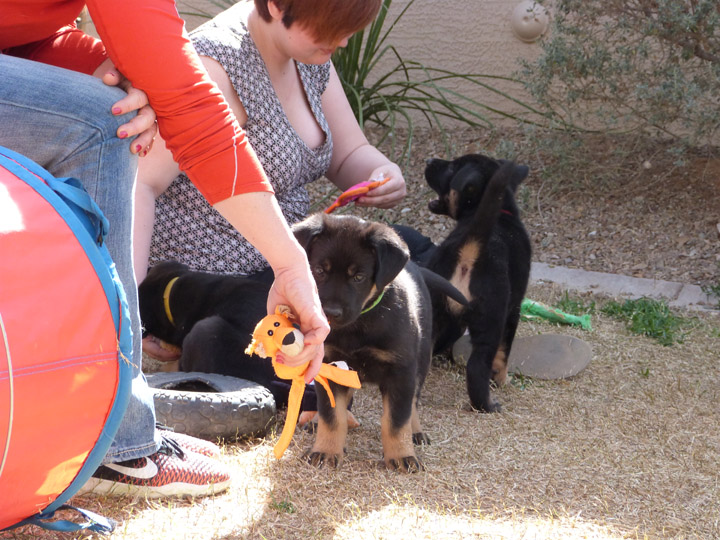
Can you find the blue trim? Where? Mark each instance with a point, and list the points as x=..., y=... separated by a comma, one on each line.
x=89, y=226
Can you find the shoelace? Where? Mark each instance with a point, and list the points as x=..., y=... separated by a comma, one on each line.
x=170, y=447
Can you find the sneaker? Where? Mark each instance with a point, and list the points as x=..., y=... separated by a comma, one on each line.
x=192, y=444
x=170, y=472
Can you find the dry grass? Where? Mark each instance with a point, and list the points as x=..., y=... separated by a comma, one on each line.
x=629, y=448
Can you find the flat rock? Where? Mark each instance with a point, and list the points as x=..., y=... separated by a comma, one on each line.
x=545, y=356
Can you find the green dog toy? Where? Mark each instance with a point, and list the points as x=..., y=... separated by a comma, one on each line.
x=530, y=309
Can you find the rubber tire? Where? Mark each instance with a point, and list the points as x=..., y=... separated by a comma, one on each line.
x=223, y=407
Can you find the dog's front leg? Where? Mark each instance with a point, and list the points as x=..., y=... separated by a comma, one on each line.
x=332, y=427
x=397, y=431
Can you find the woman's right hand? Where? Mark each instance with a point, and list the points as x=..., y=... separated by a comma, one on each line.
x=295, y=286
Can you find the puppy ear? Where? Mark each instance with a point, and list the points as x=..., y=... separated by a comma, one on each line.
x=306, y=230
x=391, y=253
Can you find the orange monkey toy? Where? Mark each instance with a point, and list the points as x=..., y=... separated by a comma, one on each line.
x=276, y=333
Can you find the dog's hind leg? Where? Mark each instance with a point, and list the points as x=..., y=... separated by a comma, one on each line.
x=485, y=319
x=418, y=436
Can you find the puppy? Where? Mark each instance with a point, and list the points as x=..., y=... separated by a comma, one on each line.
x=486, y=256
x=211, y=318
x=380, y=315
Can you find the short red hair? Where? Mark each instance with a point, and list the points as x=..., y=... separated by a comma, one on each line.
x=327, y=20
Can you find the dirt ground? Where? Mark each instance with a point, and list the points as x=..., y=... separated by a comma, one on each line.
x=617, y=204
x=627, y=449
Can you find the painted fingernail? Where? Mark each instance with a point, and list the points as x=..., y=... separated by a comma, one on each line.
x=138, y=147
x=122, y=134
x=117, y=110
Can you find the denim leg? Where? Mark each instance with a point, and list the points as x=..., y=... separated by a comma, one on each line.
x=61, y=120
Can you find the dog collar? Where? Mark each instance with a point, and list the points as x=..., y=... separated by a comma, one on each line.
x=166, y=299
x=375, y=303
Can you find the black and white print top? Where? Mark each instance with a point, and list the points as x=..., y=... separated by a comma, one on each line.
x=189, y=230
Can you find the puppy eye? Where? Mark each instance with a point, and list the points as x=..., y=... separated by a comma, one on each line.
x=359, y=278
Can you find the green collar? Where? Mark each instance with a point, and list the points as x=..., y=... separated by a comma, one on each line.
x=375, y=303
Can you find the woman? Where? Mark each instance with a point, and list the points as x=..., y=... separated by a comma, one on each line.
x=271, y=60
x=60, y=117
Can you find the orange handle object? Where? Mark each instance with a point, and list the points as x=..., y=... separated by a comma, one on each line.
x=354, y=193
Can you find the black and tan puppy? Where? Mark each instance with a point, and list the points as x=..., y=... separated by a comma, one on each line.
x=486, y=256
x=380, y=315
x=211, y=318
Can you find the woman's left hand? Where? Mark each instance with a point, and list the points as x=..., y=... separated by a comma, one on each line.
x=390, y=193
x=144, y=124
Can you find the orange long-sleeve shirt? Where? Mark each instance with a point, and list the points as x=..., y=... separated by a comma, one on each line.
x=147, y=42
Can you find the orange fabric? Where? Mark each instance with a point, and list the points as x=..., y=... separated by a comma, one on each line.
x=53, y=50
x=58, y=353
x=147, y=42
x=297, y=388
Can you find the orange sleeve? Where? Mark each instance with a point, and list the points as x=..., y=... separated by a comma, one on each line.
x=68, y=48
x=146, y=40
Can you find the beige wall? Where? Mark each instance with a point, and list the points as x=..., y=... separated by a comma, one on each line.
x=466, y=36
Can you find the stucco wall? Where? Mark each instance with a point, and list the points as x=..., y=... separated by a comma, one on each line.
x=464, y=36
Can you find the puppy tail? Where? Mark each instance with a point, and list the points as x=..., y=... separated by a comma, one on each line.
x=440, y=284
x=488, y=211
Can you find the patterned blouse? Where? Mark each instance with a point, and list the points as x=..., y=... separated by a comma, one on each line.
x=187, y=228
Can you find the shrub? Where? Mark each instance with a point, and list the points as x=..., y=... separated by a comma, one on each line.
x=635, y=64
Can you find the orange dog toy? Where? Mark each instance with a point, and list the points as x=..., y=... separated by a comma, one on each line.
x=354, y=193
x=276, y=333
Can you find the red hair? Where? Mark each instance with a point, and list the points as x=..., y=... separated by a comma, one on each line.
x=327, y=20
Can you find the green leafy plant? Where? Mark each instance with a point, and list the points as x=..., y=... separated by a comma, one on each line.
x=713, y=291
x=575, y=305
x=396, y=96
x=286, y=506
x=648, y=317
x=633, y=64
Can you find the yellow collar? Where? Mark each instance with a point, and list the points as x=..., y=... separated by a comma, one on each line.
x=166, y=299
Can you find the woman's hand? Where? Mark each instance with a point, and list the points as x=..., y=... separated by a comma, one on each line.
x=294, y=286
x=390, y=193
x=144, y=124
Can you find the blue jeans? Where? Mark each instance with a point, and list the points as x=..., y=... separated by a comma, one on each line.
x=61, y=120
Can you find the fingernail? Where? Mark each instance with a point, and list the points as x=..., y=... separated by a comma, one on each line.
x=138, y=147
x=122, y=134
x=117, y=110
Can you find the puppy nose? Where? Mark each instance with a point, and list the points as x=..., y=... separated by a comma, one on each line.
x=333, y=312
x=289, y=339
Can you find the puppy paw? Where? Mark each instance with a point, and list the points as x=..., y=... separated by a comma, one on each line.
x=489, y=407
x=409, y=464
x=321, y=459
x=420, y=438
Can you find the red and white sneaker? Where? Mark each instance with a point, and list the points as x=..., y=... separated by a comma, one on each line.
x=192, y=444
x=170, y=472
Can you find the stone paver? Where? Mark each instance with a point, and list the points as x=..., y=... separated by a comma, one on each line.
x=676, y=294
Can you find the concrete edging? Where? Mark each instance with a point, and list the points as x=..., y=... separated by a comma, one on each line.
x=677, y=294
